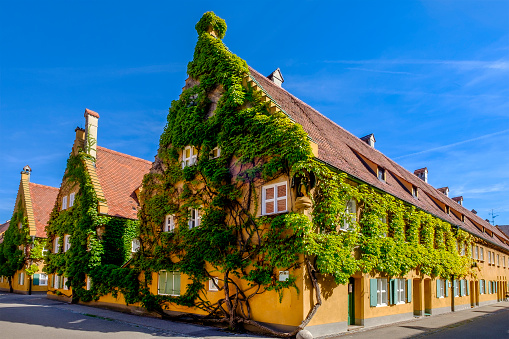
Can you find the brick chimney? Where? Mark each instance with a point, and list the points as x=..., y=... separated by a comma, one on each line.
x=422, y=173
x=26, y=172
x=276, y=77
x=459, y=200
x=369, y=139
x=91, y=122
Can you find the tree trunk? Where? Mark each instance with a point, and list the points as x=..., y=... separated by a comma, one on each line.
x=11, y=290
x=29, y=285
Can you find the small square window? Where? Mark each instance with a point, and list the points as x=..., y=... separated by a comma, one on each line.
x=169, y=283
x=274, y=198
x=169, y=223
x=213, y=284
x=215, y=153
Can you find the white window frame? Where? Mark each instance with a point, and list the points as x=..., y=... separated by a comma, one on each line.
x=212, y=286
x=169, y=223
x=482, y=286
x=71, y=200
x=481, y=257
x=21, y=278
x=276, y=198
x=64, y=203
x=464, y=288
x=400, y=291
x=67, y=242
x=441, y=291
x=217, y=152
x=135, y=245
x=194, y=218
x=381, y=292
x=56, y=281
x=173, y=274
x=456, y=288
x=88, y=283
x=64, y=284
x=56, y=245
x=489, y=257
x=477, y=252
x=350, y=212
x=463, y=249
x=498, y=259
x=193, y=156
x=43, y=279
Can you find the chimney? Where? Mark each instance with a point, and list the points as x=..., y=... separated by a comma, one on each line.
x=91, y=122
x=422, y=173
x=369, y=139
x=444, y=191
x=26, y=172
x=474, y=211
x=459, y=200
x=276, y=77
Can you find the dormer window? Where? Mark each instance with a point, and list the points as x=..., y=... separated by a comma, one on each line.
x=381, y=173
x=189, y=156
x=169, y=223
x=215, y=153
x=414, y=192
x=447, y=210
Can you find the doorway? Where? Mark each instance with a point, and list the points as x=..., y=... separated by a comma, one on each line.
x=427, y=296
x=472, y=293
x=417, y=297
x=351, y=301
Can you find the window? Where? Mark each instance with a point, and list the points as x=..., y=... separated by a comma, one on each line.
x=56, y=245
x=489, y=257
x=169, y=223
x=414, y=191
x=215, y=153
x=189, y=156
x=381, y=173
x=456, y=288
x=476, y=252
x=213, y=283
x=464, y=287
x=64, y=283
x=440, y=288
x=503, y=261
x=64, y=203
x=498, y=260
x=482, y=254
x=400, y=291
x=482, y=286
x=89, y=283
x=43, y=279
x=383, y=220
x=195, y=219
x=135, y=245
x=71, y=199
x=20, y=225
x=351, y=215
x=381, y=292
x=67, y=242
x=21, y=278
x=274, y=198
x=56, y=281
x=462, y=248
x=169, y=283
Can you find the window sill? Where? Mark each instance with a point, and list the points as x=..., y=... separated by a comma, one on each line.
x=170, y=295
x=381, y=305
x=275, y=213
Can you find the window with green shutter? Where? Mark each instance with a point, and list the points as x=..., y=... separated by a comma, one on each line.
x=409, y=290
x=169, y=283
x=35, y=279
x=373, y=292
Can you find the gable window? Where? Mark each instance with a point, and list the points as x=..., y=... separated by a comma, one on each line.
x=274, y=198
x=351, y=215
x=215, y=153
x=135, y=245
x=195, y=219
x=189, y=156
x=381, y=173
x=64, y=203
x=213, y=283
x=169, y=283
x=67, y=242
x=414, y=191
x=381, y=292
x=56, y=245
x=71, y=200
x=169, y=223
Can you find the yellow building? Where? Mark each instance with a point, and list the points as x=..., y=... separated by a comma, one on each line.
x=32, y=210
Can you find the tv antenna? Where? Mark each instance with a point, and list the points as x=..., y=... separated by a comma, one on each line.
x=493, y=216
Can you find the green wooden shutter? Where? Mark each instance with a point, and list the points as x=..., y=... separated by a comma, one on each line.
x=176, y=283
x=438, y=288
x=496, y=287
x=468, y=287
x=462, y=283
x=161, y=288
x=409, y=290
x=35, y=279
x=372, y=292
x=392, y=291
x=447, y=287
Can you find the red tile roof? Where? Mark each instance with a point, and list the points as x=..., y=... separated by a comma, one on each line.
x=92, y=113
x=4, y=227
x=43, y=201
x=344, y=151
x=120, y=175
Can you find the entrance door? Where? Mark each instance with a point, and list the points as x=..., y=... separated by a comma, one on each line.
x=351, y=301
x=417, y=297
x=472, y=293
x=427, y=296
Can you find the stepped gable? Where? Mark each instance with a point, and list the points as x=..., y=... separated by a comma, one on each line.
x=43, y=201
x=120, y=175
x=344, y=151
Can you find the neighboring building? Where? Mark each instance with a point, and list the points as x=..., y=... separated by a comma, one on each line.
x=93, y=222
x=3, y=228
x=25, y=241
x=504, y=229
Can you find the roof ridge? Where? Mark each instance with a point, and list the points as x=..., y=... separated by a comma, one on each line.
x=124, y=155
x=44, y=186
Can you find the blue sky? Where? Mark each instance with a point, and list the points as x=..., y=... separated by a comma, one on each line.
x=429, y=78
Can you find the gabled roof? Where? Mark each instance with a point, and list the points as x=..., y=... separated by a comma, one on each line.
x=346, y=152
x=503, y=228
x=43, y=201
x=120, y=175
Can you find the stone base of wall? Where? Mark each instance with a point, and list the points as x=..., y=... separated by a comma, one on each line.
x=462, y=307
x=488, y=302
x=327, y=329
x=394, y=318
x=440, y=310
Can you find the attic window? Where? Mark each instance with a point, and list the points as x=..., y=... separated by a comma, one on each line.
x=447, y=209
x=414, y=192
x=381, y=173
